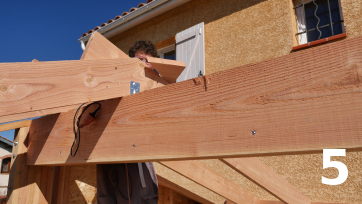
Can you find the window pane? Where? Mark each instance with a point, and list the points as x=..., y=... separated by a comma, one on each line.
x=170, y=55
x=323, y=19
x=5, y=167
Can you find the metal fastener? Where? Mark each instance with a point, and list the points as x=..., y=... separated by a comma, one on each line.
x=14, y=156
x=15, y=143
x=134, y=145
x=253, y=132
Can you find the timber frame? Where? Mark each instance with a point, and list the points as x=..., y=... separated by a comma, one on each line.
x=257, y=109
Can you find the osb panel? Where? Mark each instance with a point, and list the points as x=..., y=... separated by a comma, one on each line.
x=83, y=184
x=166, y=195
x=305, y=173
x=237, y=178
x=236, y=33
x=188, y=184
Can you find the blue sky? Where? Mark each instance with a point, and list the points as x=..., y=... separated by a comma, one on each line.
x=48, y=30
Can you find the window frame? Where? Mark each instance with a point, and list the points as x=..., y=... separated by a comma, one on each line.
x=162, y=51
x=2, y=165
x=331, y=23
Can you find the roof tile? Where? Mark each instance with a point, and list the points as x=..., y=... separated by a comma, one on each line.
x=117, y=17
x=132, y=9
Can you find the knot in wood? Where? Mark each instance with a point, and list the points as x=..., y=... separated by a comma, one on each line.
x=3, y=88
x=89, y=78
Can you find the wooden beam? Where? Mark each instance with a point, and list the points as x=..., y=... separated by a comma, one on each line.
x=170, y=70
x=18, y=169
x=185, y=192
x=280, y=202
x=210, y=179
x=14, y=125
x=34, y=87
x=298, y=103
x=98, y=47
x=265, y=177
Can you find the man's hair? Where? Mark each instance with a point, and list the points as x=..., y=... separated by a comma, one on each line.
x=146, y=46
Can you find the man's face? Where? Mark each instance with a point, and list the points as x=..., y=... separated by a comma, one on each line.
x=143, y=57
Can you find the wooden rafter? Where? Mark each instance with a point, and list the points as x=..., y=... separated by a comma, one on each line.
x=203, y=175
x=301, y=102
x=14, y=125
x=98, y=47
x=35, y=89
x=265, y=177
x=164, y=182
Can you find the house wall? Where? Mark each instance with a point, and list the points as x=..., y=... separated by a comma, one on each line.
x=4, y=177
x=237, y=32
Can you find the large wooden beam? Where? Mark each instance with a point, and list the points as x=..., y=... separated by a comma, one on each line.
x=265, y=177
x=210, y=179
x=36, y=87
x=98, y=47
x=14, y=125
x=164, y=182
x=302, y=102
x=18, y=176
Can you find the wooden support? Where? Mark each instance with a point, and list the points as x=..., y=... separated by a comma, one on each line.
x=14, y=125
x=164, y=182
x=98, y=47
x=281, y=202
x=18, y=171
x=203, y=175
x=34, y=87
x=265, y=177
x=298, y=103
x=170, y=70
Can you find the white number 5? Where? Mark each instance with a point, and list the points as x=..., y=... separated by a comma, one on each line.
x=342, y=168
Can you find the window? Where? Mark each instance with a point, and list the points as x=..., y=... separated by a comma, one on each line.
x=168, y=52
x=5, y=166
x=189, y=48
x=319, y=19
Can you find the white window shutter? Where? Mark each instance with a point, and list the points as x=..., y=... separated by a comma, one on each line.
x=190, y=48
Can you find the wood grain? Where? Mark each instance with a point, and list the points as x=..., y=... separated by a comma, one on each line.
x=187, y=193
x=210, y=179
x=98, y=47
x=34, y=87
x=170, y=70
x=15, y=125
x=18, y=168
x=265, y=177
x=302, y=102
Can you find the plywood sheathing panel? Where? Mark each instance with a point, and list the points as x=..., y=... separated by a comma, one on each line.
x=305, y=172
x=83, y=185
x=239, y=179
x=188, y=184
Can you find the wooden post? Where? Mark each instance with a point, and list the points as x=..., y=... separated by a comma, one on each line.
x=18, y=169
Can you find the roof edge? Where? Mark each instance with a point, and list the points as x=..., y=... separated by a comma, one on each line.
x=134, y=18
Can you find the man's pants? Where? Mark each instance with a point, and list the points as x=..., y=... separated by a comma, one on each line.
x=112, y=184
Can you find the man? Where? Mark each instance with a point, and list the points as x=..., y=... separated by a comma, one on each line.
x=132, y=183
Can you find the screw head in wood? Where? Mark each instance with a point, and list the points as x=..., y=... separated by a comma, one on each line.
x=14, y=156
x=15, y=143
x=253, y=132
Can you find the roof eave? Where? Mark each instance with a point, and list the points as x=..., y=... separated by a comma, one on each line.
x=136, y=17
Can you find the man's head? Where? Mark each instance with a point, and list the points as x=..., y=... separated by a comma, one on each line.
x=143, y=49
